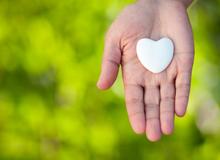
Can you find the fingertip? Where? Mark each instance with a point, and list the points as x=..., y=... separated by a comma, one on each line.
x=153, y=131
x=108, y=76
x=139, y=126
x=153, y=137
x=103, y=83
x=135, y=108
x=167, y=128
x=180, y=107
x=139, y=130
x=102, y=86
x=180, y=113
x=167, y=123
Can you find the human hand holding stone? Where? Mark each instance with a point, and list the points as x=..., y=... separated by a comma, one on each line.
x=152, y=99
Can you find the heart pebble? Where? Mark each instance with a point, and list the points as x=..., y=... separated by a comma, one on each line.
x=155, y=55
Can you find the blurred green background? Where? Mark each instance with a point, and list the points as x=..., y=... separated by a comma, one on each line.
x=50, y=108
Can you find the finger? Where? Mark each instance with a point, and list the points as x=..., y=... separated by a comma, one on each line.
x=152, y=98
x=167, y=92
x=182, y=92
x=110, y=64
x=135, y=107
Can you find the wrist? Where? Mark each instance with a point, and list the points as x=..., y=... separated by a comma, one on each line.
x=185, y=3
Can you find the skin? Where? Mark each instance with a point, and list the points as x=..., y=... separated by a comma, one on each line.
x=152, y=100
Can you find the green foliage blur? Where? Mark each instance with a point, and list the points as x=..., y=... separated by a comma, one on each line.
x=50, y=108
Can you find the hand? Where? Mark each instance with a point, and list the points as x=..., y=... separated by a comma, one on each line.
x=152, y=100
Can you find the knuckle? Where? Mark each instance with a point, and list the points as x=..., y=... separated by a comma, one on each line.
x=183, y=78
x=167, y=105
x=182, y=97
x=113, y=62
x=152, y=111
x=133, y=93
x=167, y=99
x=167, y=91
x=152, y=96
x=134, y=114
x=152, y=118
x=167, y=110
x=183, y=85
x=182, y=91
x=134, y=101
x=151, y=101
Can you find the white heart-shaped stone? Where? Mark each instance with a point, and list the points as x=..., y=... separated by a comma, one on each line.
x=155, y=55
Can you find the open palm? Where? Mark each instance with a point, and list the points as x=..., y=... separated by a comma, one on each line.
x=152, y=100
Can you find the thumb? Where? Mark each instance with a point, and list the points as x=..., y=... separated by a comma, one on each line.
x=110, y=65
